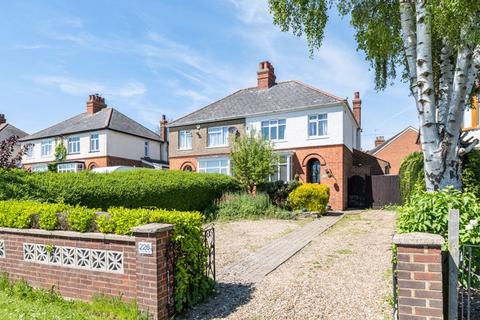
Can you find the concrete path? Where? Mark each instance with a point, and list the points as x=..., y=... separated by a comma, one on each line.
x=256, y=266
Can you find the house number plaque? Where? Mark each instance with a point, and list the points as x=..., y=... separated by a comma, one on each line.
x=145, y=248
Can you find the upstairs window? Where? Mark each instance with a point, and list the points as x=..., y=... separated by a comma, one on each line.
x=317, y=125
x=218, y=137
x=47, y=147
x=29, y=150
x=185, y=139
x=274, y=129
x=94, y=142
x=73, y=145
x=146, y=149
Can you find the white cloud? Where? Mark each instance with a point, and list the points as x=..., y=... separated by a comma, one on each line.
x=31, y=46
x=251, y=11
x=82, y=88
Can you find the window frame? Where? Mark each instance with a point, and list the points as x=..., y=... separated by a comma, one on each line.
x=224, y=136
x=274, y=124
x=317, y=121
x=287, y=163
x=97, y=139
x=71, y=142
x=70, y=167
x=43, y=144
x=146, y=149
x=185, y=136
x=204, y=169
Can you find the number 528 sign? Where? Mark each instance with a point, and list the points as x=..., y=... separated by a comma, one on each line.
x=145, y=248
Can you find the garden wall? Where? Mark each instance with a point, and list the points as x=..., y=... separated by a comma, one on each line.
x=81, y=265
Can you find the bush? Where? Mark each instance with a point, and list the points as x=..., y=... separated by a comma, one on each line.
x=130, y=189
x=245, y=206
x=412, y=177
x=310, y=196
x=191, y=284
x=278, y=191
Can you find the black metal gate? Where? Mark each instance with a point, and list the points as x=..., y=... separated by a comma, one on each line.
x=469, y=283
x=173, y=253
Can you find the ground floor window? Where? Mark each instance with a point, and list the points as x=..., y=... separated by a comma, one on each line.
x=40, y=167
x=70, y=167
x=214, y=165
x=282, y=169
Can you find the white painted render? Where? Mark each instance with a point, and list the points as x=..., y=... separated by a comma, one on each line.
x=112, y=143
x=84, y=147
x=131, y=147
x=339, y=128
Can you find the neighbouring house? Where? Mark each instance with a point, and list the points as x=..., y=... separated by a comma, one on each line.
x=99, y=137
x=395, y=149
x=314, y=132
x=7, y=130
x=471, y=122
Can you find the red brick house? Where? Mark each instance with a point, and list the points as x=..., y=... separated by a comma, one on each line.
x=314, y=132
x=395, y=149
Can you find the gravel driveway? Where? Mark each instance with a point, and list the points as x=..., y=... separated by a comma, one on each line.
x=343, y=274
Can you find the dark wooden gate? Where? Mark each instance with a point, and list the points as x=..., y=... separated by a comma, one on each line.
x=386, y=190
x=359, y=192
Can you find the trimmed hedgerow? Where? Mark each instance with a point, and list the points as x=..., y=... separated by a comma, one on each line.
x=191, y=283
x=311, y=197
x=176, y=190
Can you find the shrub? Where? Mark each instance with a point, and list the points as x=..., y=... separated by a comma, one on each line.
x=130, y=189
x=191, y=283
x=310, y=196
x=245, y=206
x=412, y=177
x=278, y=191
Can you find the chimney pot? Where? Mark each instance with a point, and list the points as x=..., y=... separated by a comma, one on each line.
x=2, y=118
x=95, y=103
x=379, y=140
x=265, y=75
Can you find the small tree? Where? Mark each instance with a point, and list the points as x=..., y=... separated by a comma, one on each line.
x=253, y=161
x=60, y=156
x=9, y=158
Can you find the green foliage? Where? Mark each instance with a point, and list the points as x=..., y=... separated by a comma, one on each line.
x=252, y=160
x=428, y=212
x=192, y=285
x=246, y=206
x=412, y=176
x=131, y=189
x=310, y=196
x=18, y=300
x=278, y=191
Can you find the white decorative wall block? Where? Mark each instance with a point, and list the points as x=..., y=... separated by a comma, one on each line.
x=2, y=249
x=84, y=258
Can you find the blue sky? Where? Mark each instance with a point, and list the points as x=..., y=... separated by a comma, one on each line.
x=149, y=58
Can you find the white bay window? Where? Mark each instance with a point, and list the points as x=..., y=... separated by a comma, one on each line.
x=282, y=169
x=214, y=165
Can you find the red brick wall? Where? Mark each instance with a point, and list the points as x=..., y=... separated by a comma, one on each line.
x=143, y=277
x=419, y=272
x=398, y=149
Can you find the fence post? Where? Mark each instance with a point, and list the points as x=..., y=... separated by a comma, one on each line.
x=419, y=271
x=453, y=261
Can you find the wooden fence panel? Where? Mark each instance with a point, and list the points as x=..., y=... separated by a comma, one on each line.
x=386, y=190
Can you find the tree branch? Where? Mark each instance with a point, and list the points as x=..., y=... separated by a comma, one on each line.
x=472, y=74
x=410, y=41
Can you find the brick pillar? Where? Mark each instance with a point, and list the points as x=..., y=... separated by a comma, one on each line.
x=419, y=272
x=151, y=244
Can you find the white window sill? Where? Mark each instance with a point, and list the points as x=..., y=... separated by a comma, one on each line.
x=318, y=137
x=184, y=149
x=215, y=147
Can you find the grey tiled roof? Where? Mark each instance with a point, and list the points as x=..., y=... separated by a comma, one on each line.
x=107, y=118
x=7, y=130
x=284, y=96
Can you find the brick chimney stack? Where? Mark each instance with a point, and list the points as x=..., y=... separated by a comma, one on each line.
x=379, y=140
x=265, y=75
x=2, y=118
x=95, y=103
x=163, y=128
x=357, y=108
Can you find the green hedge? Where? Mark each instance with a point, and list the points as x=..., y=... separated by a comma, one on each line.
x=412, y=177
x=191, y=284
x=131, y=189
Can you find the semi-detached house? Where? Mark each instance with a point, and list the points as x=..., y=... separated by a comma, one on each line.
x=314, y=132
x=99, y=137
